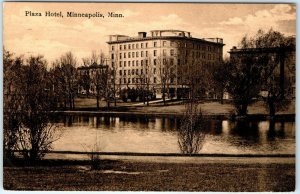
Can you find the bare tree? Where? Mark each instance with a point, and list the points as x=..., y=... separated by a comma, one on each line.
x=191, y=133
x=166, y=74
x=12, y=77
x=36, y=134
x=68, y=70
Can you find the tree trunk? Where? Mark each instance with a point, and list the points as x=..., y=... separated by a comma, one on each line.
x=271, y=108
x=97, y=99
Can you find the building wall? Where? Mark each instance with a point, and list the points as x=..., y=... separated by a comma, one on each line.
x=129, y=56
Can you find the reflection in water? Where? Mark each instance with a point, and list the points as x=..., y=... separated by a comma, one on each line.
x=162, y=135
x=247, y=131
x=276, y=130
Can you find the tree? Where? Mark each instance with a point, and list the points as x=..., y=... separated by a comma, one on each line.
x=244, y=81
x=12, y=77
x=69, y=75
x=220, y=74
x=35, y=133
x=85, y=82
x=166, y=74
x=260, y=69
x=191, y=133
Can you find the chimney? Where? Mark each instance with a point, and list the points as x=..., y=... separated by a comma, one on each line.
x=142, y=34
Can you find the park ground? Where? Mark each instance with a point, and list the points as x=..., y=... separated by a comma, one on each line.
x=167, y=174
x=174, y=107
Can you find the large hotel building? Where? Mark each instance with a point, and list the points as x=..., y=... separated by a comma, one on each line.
x=133, y=57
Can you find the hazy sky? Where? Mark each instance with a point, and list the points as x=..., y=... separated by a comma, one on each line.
x=53, y=36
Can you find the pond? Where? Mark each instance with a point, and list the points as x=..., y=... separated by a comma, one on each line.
x=160, y=135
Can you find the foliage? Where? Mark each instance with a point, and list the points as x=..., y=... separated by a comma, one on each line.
x=254, y=72
x=28, y=102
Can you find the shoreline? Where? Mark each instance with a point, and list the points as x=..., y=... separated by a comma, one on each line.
x=224, y=116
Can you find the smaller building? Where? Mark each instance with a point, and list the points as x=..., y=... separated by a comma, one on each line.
x=286, y=61
x=87, y=77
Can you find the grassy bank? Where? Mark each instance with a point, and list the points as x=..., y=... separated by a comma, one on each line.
x=117, y=175
x=213, y=108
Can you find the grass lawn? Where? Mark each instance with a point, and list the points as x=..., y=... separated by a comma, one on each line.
x=146, y=176
x=179, y=107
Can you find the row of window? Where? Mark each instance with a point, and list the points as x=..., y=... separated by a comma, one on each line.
x=145, y=62
x=135, y=80
x=172, y=53
x=135, y=71
x=165, y=43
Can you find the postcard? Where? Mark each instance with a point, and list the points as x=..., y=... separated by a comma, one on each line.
x=149, y=96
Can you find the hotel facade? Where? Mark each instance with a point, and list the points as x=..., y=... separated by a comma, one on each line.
x=163, y=56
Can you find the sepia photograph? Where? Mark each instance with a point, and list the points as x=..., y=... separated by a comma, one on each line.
x=115, y=96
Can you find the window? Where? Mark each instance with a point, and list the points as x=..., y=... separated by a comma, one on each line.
x=137, y=54
x=164, y=61
x=172, y=52
x=124, y=47
x=146, y=45
x=124, y=63
x=155, y=53
x=120, y=63
x=172, y=43
x=132, y=71
x=136, y=71
x=120, y=80
x=120, y=72
x=133, y=63
x=132, y=46
x=171, y=61
x=154, y=44
x=120, y=55
x=142, y=63
x=164, y=43
x=112, y=48
x=128, y=71
x=142, y=53
x=154, y=71
x=124, y=72
x=146, y=62
x=164, y=52
x=154, y=80
x=146, y=52
x=132, y=54
x=124, y=80
x=154, y=61
x=137, y=63
x=142, y=45
x=128, y=63
x=137, y=46
x=120, y=47
x=142, y=72
x=129, y=46
x=112, y=56
x=129, y=55
x=133, y=80
x=124, y=55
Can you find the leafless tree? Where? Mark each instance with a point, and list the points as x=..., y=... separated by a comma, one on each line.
x=166, y=74
x=12, y=77
x=191, y=133
x=68, y=64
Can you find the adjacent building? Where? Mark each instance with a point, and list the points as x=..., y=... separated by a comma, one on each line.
x=88, y=77
x=285, y=58
x=161, y=56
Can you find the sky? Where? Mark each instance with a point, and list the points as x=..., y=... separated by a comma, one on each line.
x=54, y=36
